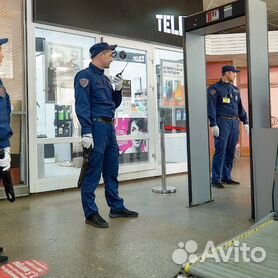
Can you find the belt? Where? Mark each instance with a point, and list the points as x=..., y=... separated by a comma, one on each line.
x=103, y=120
x=229, y=118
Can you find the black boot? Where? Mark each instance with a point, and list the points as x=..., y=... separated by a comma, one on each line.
x=231, y=181
x=97, y=221
x=123, y=213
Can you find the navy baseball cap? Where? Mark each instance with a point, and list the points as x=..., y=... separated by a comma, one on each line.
x=4, y=40
x=99, y=47
x=229, y=68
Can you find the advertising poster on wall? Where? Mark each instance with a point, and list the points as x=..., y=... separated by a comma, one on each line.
x=63, y=62
x=125, y=106
x=140, y=105
x=136, y=149
x=172, y=84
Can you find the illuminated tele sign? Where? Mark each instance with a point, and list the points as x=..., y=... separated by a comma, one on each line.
x=136, y=20
x=170, y=24
x=212, y=15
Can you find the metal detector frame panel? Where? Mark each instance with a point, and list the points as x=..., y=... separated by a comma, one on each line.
x=196, y=92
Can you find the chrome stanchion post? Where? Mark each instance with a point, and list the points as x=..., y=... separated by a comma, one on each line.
x=163, y=188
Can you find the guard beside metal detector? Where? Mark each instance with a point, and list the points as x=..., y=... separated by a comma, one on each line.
x=5, y=134
x=225, y=110
x=95, y=104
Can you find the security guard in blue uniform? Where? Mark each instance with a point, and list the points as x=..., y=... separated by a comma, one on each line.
x=225, y=110
x=5, y=130
x=95, y=104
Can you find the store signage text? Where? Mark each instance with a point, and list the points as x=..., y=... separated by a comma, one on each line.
x=172, y=68
x=170, y=24
x=131, y=57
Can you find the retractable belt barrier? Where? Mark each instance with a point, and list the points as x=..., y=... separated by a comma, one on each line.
x=177, y=128
x=163, y=189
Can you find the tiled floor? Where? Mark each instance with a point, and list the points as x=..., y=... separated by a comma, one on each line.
x=50, y=227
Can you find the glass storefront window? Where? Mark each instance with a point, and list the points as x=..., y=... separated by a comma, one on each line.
x=132, y=116
x=55, y=160
x=170, y=89
x=59, y=56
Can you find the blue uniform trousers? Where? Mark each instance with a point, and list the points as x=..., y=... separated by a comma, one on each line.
x=225, y=146
x=104, y=159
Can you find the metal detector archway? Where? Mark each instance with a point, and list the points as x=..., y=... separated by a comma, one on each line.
x=253, y=14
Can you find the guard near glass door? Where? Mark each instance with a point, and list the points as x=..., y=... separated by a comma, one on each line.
x=95, y=104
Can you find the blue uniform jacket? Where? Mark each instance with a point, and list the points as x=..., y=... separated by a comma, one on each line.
x=94, y=97
x=224, y=101
x=5, y=117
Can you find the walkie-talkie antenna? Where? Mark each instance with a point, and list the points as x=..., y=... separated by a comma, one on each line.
x=123, y=69
x=123, y=56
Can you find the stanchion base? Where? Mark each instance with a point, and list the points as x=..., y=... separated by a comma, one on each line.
x=159, y=189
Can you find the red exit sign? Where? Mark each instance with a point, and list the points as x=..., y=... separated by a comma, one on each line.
x=212, y=15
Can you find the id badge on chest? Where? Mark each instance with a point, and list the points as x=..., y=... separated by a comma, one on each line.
x=226, y=100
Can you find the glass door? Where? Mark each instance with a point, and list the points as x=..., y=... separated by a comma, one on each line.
x=171, y=106
x=135, y=119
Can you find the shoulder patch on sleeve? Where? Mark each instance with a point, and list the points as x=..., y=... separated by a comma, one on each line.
x=2, y=91
x=83, y=82
x=212, y=92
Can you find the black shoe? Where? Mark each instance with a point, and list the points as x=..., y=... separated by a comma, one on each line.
x=217, y=185
x=97, y=221
x=3, y=259
x=1, y=249
x=123, y=213
x=231, y=181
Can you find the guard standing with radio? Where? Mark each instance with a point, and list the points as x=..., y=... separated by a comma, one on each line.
x=95, y=104
x=5, y=134
x=225, y=110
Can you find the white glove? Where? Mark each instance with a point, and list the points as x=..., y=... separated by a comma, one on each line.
x=87, y=140
x=5, y=163
x=215, y=131
x=246, y=127
x=118, y=82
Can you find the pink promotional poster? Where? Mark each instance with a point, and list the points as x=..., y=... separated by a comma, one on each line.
x=134, y=127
